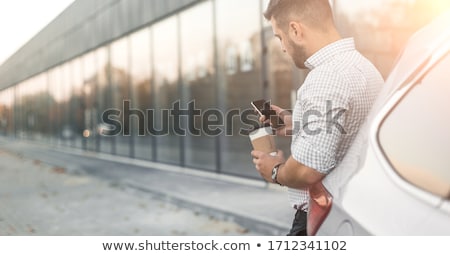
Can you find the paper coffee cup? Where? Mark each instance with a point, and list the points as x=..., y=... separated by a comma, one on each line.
x=263, y=140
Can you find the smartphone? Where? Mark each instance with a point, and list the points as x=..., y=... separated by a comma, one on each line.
x=262, y=107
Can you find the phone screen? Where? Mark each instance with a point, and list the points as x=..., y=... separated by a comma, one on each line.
x=263, y=108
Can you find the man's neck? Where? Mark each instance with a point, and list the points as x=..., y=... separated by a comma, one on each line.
x=323, y=39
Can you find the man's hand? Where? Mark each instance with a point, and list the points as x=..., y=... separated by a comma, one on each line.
x=291, y=174
x=264, y=163
x=286, y=116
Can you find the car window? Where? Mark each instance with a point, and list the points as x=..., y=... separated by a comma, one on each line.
x=415, y=135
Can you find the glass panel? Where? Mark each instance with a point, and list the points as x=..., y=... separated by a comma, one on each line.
x=141, y=92
x=67, y=132
x=76, y=103
x=90, y=105
x=33, y=106
x=103, y=98
x=165, y=53
x=120, y=91
x=415, y=135
x=4, y=111
x=240, y=77
x=11, y=126
x=41, y=106
x=18, y=110
x=21, y=106
x=381, y=28
x=56, y=99
x=198, y=77
x=7, y=112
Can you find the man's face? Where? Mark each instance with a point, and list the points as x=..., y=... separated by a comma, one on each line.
x=295, y=51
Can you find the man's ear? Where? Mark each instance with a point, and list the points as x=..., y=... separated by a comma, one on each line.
x=295, y=31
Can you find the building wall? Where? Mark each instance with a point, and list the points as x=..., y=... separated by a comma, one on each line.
x=140, y=59
x=84, y=25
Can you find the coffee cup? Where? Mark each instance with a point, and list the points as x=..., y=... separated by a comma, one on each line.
x=263, y=140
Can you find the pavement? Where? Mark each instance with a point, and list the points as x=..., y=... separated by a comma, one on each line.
x=48, y=190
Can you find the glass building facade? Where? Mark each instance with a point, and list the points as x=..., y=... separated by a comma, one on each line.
x=216, y=55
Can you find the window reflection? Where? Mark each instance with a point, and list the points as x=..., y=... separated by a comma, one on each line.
x=120, y=90
x=76, y=102
x=141, y=91
x=67, y=132
x=32, y=104
x=7, y=112
x=39, y=106
x=90, y=104
x=239, y=53
x=55, y=114
x=166, y=70
x=103, y=97
x=198, y=81
x=18, y=110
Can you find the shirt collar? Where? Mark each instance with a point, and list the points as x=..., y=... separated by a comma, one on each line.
x=327, y=52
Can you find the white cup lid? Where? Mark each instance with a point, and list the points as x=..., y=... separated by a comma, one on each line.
x=258, y=133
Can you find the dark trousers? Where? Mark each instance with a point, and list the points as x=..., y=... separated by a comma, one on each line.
x=299, y=224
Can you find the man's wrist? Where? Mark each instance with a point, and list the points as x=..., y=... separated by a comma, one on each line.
x=275, y=172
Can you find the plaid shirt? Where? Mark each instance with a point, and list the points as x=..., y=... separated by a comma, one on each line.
x=332, y=103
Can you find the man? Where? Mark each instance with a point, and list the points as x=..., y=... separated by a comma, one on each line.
x=331, y=104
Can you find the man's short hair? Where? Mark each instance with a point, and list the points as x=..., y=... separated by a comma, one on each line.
x=315, y=13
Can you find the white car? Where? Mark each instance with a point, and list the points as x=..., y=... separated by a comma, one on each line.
x=395, y=179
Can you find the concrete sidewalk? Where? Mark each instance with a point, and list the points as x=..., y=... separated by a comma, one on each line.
x=251, y=205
